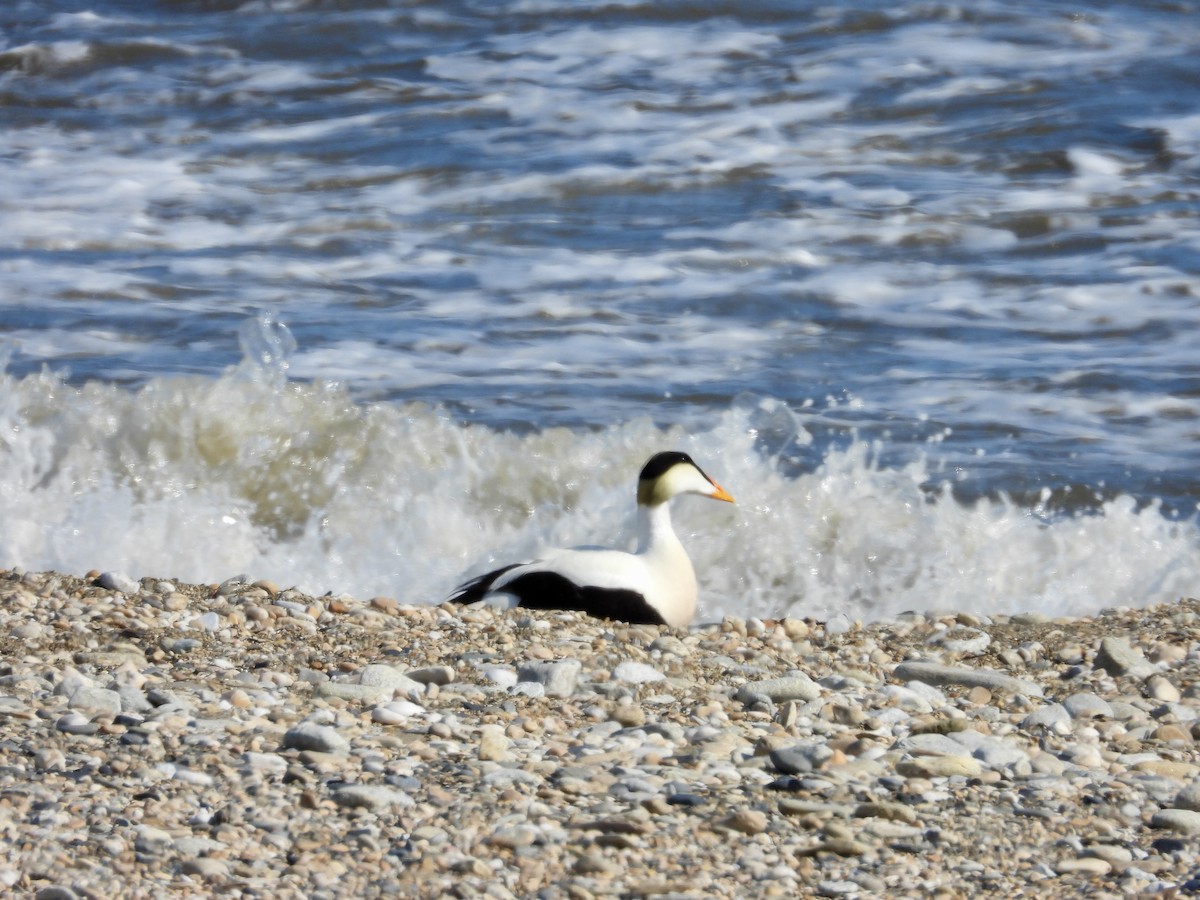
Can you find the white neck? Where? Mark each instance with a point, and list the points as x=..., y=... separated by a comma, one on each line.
x=654, y=527
x=670, y=575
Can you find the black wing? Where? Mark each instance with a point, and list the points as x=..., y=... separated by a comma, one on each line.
x=550, y=590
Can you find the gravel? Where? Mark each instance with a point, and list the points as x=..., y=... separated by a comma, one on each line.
x=160, y=739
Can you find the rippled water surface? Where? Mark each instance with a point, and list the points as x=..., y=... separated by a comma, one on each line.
x=920, y=281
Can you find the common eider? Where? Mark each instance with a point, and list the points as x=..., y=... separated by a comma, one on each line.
x=654, y=585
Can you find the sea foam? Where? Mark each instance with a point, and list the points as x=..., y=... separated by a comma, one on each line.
x=201, y=478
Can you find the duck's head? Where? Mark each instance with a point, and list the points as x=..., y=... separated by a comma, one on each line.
x=666, y=475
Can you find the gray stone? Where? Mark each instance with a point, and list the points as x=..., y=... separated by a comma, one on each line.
x=1001, y=756
x=311, y=736
x=668, y=643
x=1030, y=618
x=360, y=693
x=180, y=645
x=838, y=888
x=371, y=796
x=1189, y=797
x=1048, y=716
x=1186, y=821
x=378, y=675
x=197, y=845
x=779, y=690
x=507, y=777
x=528, y=689
x=117, y=581
x=96, y=700
x=168, y=699
x=798, y=759
x=76, y=723
x=557, y=677
x=151, y=841
x=1117, y=656
x=206, y=868
x=232, y=585
x=963, y=640
x=1087, y=706
x=514, y=836
x=265, y=762
x=937, y=674
x=56, y=892
x=133, y=699
x=929, y=745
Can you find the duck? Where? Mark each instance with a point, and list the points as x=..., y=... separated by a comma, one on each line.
x=654, y=585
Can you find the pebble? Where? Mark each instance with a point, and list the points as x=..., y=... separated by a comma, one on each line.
x=312, y=736
x=500, y=675
x=1188, y=798
x=322, y=750
x=800, y=758
x=747, y=821
x=439, y=675
x=117, y=581
x=636, y=673
x=390, y=679
x=1088, y=865
x=939, y=767
x=493, y=744
x=152, y=841
x=357, y=693
x=557, y=678
x=962, y=640
x=206, y=869
x=1052, y=715
x=1184, y=820
x=1159, y=687
x=370, y=796
x=1117, y=656
x=76, y=723
x=1087, y=706
x=398, y=712
x=937, y=674
x=794, y=687
x=96, y=700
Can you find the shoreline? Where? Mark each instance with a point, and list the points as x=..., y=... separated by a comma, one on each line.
x=159, y=738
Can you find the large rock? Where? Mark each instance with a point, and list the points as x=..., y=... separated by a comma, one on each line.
x=1117, y=656
x=966, y=676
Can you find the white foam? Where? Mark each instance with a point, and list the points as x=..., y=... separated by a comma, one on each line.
x=199, y=479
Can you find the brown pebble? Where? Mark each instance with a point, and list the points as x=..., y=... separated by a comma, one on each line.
x=592, y=864
x=747, y=821
x=838, y=846
x=1172, y=733
x=386, y=604
x=629, y=716
x=980, y=696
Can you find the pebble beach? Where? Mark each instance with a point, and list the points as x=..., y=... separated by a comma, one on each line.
x=246, y=740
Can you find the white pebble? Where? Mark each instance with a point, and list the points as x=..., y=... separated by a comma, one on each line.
x=636, y=673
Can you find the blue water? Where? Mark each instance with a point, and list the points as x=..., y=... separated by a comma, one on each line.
x=921, y=282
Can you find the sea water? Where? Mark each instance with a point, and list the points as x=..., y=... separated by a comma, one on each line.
x=367, y=297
